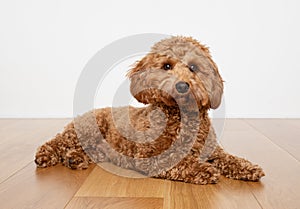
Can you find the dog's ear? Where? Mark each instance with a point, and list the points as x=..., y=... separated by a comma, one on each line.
x=135, y=78
x=216, y=89
x=139, y=65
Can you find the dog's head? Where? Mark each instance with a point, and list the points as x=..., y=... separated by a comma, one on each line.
x=177, y=70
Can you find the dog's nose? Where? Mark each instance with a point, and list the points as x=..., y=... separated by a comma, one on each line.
x=182, y=87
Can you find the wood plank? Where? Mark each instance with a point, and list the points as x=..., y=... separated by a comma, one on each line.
x=10, y=129
x=280, y=188
x=294, y=122
x=225, y=194
x=41, y=188
x=236, y=125
x=101, y=183
x=20, y=140
x=115, y=203
x=231, y=125
x=6, y=123
x=16, y=128
x=280, y=132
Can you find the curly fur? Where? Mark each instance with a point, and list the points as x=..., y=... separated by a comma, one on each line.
x=134, y=137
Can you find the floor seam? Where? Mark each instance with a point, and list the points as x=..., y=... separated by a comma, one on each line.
x=258, y=202
x=74, y=195
x=15, y=172
x=274, y=143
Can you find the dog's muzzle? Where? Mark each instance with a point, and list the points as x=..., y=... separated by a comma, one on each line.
x=182, y=87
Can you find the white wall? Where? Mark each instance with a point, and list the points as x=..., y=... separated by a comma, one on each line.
x=44, y=45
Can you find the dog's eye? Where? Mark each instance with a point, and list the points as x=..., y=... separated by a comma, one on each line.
x=167, y=66
x=193, y=68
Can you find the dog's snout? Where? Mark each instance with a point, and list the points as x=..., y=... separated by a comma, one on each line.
x=182, y=87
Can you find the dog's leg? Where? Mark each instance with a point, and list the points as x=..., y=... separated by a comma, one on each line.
x=191, y=170
x=64, y=148
x=235, y=167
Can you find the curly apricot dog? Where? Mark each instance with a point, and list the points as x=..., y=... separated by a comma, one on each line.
x=170, y=138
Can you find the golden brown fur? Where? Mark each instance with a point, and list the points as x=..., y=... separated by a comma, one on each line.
x=174, y=119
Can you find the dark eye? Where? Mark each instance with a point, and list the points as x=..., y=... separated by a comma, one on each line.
x=167, y=66
x=193, y=67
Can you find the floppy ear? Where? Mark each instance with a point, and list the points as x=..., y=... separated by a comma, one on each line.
x=136, y=78
x=217, y=88
x=140, y=65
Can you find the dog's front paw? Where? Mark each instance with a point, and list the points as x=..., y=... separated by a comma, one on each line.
x=45, y=157
x=242, y=169
x=253, y=173
x=76, y=160
x=207, y=174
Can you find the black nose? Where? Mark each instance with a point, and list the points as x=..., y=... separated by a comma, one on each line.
x=182, y=87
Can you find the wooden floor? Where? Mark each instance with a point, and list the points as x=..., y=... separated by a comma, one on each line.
x=272, y=143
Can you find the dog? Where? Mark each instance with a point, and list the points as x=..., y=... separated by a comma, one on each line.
x=171, y=137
